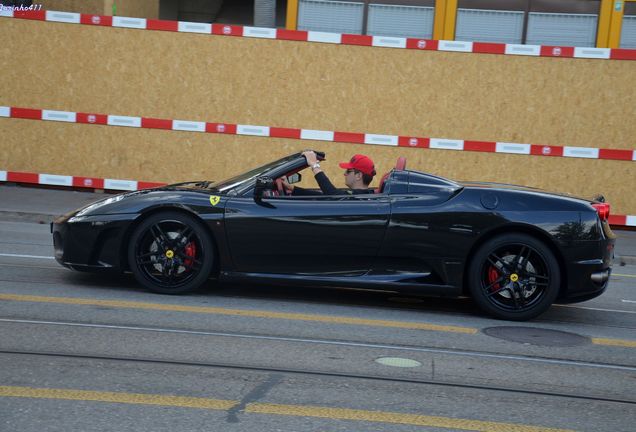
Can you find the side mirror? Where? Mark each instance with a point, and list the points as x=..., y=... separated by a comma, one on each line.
x=294, y=178
x=262, y=184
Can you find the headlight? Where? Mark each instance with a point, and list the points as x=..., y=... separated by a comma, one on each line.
x=76, y=218
x=95, y=206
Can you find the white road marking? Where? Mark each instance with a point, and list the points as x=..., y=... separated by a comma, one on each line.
x=34, y=266
x=595, y=309
x=26, y=256
x=628, y=301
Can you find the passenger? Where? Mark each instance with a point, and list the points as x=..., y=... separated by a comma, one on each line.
x=359, y=173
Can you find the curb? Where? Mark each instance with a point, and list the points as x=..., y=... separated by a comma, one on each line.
x=39, y=218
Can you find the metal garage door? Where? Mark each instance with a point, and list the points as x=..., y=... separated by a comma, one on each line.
x=330, y=16
x=562, y=29
x=489, y=26
x=628, y=32
x=401, y=21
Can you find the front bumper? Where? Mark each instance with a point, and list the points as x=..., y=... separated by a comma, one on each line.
x=91, y=243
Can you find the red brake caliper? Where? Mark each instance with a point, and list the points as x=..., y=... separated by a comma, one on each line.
x=493, y=275
x=190, y=251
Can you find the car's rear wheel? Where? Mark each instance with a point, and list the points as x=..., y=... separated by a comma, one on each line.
x=514, y=277
x=171, y=253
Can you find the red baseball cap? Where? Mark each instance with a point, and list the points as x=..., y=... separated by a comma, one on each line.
x=360, y=162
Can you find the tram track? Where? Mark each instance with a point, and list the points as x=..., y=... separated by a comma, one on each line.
x=316, y=373
x=341, y=343
x=399, y=350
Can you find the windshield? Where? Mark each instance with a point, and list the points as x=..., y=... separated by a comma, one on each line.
x=231, y=183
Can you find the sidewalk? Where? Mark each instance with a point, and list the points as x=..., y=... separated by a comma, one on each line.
x=40, y=205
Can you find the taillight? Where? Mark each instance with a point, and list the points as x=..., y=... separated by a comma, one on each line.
x=603, y=210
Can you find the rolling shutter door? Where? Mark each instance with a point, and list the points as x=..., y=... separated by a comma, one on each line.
x=562, y=29
x=330, y=16
x=400, y=21
x=628, y=32
x=482, y=25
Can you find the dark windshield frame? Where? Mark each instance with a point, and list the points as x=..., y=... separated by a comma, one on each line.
x=234, y=185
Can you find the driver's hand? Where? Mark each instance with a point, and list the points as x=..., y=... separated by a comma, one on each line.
x=310, y=157
x=287, y=186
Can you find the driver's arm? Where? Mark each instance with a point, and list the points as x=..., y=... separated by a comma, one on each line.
x=297, y=190
x=325, y=184
x=321, y=178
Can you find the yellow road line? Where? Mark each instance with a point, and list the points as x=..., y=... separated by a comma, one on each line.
x=116, y=397
x=623, y=275
x=274, y=315
x=241, y=312
x=614, y=342
x=392, y=417
x=271, y=409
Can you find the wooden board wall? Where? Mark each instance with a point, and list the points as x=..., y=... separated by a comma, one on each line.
x=95, y=7
x=155, y=155
x=129, y=8
x=566, y=102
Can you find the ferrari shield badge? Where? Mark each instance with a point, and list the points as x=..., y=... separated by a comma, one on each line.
x=214, y=200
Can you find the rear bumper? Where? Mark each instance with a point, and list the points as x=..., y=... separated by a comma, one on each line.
x=588, y=282
x=589, y=278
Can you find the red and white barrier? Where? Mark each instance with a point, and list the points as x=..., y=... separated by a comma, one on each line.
x=75, y=182
x=321, y=37
x=320, y=135
x=622, y=220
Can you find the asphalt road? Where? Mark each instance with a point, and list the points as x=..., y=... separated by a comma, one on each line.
x=82, y=352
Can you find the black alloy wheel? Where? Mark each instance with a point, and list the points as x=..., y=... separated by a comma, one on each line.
x=514, y=277
x=171, y=253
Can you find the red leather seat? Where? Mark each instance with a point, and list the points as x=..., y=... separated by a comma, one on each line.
x=400, y=165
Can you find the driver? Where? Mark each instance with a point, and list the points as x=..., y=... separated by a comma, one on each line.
x=359, y=173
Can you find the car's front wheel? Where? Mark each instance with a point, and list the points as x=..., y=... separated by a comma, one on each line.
x=514, y=277
x=171, y=253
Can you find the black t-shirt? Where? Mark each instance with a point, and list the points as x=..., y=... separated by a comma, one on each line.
x=327, y=188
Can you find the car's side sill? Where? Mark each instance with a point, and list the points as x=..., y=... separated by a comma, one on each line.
x=392, y=282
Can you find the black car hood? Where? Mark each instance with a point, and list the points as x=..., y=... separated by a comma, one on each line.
x=133, y=201
x=191, y=185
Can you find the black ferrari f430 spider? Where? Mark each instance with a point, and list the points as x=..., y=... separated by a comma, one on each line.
x=514, y=250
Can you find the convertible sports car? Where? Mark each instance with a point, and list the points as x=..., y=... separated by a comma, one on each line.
x=514, y=250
